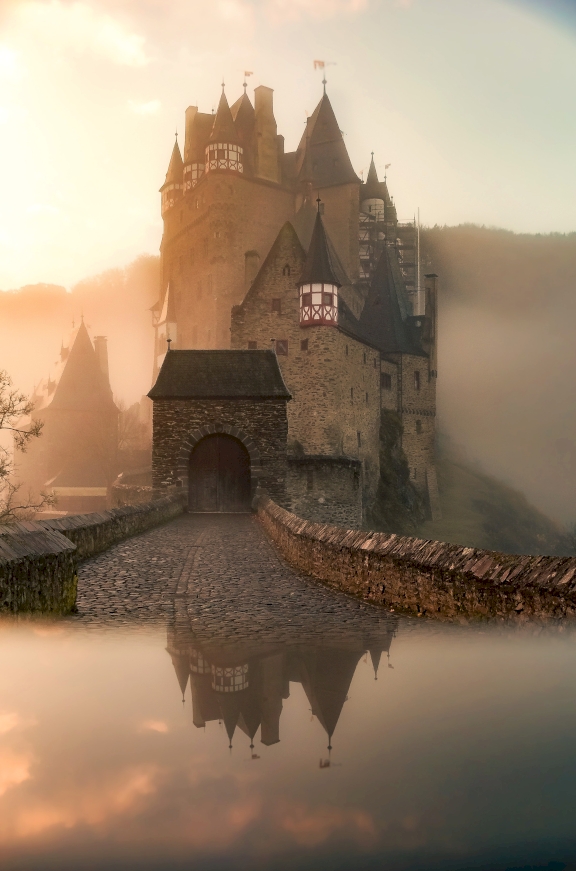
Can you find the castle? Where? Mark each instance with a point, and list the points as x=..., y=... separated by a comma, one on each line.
x=291, y=251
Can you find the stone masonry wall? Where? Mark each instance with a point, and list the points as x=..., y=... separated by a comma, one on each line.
x=264, y=422
x=38, y=559
x=326, y=491
x=430, y=578
x=334, y=379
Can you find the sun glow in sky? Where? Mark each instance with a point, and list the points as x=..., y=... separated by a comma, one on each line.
x=470, y=103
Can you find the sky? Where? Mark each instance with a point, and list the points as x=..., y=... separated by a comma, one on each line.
x=471, y=103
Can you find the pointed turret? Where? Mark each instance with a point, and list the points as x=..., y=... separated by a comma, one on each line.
x=224, y=151
x=384, y=319
x=375, y=655
x=182, y=669
x=372, y=186
x=245, y=121
x=171, y=190
x=319, y=282
x=323, y=140
x=83, y=385
x=198, y=128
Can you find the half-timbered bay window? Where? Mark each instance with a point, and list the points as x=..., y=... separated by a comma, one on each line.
x=230, y=679
x=170, y=193
x=193, y=172
x=319, y=282
x=224, y=155
x=318, y=304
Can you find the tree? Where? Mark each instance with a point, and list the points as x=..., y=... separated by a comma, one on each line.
x=15, y=421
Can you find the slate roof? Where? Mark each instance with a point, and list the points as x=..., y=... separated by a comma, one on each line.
x=331, y=164
x=319, y=266
x=384, y=318
x=223, y=129
x=220, y=375
x=82, y=385
x=175, y=167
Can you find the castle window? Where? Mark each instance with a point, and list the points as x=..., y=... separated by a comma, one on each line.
x=309, y=479
x=318, y=304
x=366, y=399
x=286, y=270
x=252, y=346
x=352, y=394
x=416, y=380
x=277, y=306
x=327, y=299
x=282, y=347
x=364, y=357
x=359, y=437
x=418, y=426
x=385, y=381
x=304, y=345
x=346, y=350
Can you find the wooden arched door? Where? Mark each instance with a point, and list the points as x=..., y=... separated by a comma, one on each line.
x=219, y=475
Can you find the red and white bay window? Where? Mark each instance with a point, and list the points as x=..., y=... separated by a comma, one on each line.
x=318, y=304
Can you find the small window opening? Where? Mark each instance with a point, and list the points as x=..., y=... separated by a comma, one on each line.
x=352, y=394
x=366, y=399
x=282, y=347
x=418, y=426
x=309, y=479
x=416, y=380
x=304, y=345
x=364, y=358
x=286, y=269
x=346, y=350
x=386, y=381
x=277, y=306
x=359, y=437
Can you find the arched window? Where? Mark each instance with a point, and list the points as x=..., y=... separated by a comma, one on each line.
x=286, y=270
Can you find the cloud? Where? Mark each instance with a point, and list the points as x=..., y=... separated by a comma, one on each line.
x=9, y=63
x=84, y=29
x=149, y=108
x=9, y=720
x=14, y=769
x=294, y=10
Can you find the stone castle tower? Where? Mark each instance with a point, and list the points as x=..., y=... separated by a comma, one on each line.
x=291, y=250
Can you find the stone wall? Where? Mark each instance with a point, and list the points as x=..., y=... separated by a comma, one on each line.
x=38, y=559
x=261, y=425
x=37, y=570
x=429, y=578
x=326, y=489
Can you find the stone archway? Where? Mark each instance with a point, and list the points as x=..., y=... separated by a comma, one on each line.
x=219, y=475
x=237, y=436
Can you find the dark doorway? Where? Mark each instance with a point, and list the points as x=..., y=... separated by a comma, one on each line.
x=219, y=475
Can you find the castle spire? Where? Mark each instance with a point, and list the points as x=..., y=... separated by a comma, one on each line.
x=172, y=188
x=318, y=268
x=223, y=129
x=224, y=151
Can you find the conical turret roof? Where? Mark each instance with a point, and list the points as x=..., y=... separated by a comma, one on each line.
x=319, y=267
x=175, y=167
x=223, y=129
x=372, y=186
x=323, y=140
x=383, y=321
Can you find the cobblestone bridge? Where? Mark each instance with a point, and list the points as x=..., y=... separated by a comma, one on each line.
x=220, y=578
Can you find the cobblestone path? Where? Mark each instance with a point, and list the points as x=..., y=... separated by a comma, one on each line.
x=219, y=575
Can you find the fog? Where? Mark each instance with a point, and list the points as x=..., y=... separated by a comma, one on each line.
x=506, y=389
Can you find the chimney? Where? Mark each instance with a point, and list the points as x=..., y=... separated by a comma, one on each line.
x=191, y=113
x=267, y=160
x=101, y=348
x=251, y=267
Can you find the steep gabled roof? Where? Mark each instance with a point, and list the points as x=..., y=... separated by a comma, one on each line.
x=82, y=385
x=286, y=236
x=175, y=167
x=383, y=321
x=223, y=129
x=220, y=375
x=323, y=138
x=319, y=267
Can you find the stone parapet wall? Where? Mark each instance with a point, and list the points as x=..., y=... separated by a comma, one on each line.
x=130, y=494
x=38, y=559
x=429, y=578
x=326, y=489
x=95, y=532
x=37, y=570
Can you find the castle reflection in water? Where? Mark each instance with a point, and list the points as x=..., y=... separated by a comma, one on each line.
x=242, y=680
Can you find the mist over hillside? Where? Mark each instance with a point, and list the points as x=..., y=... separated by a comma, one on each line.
x=506, y=388
x=34, y=320
x=507, y=355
